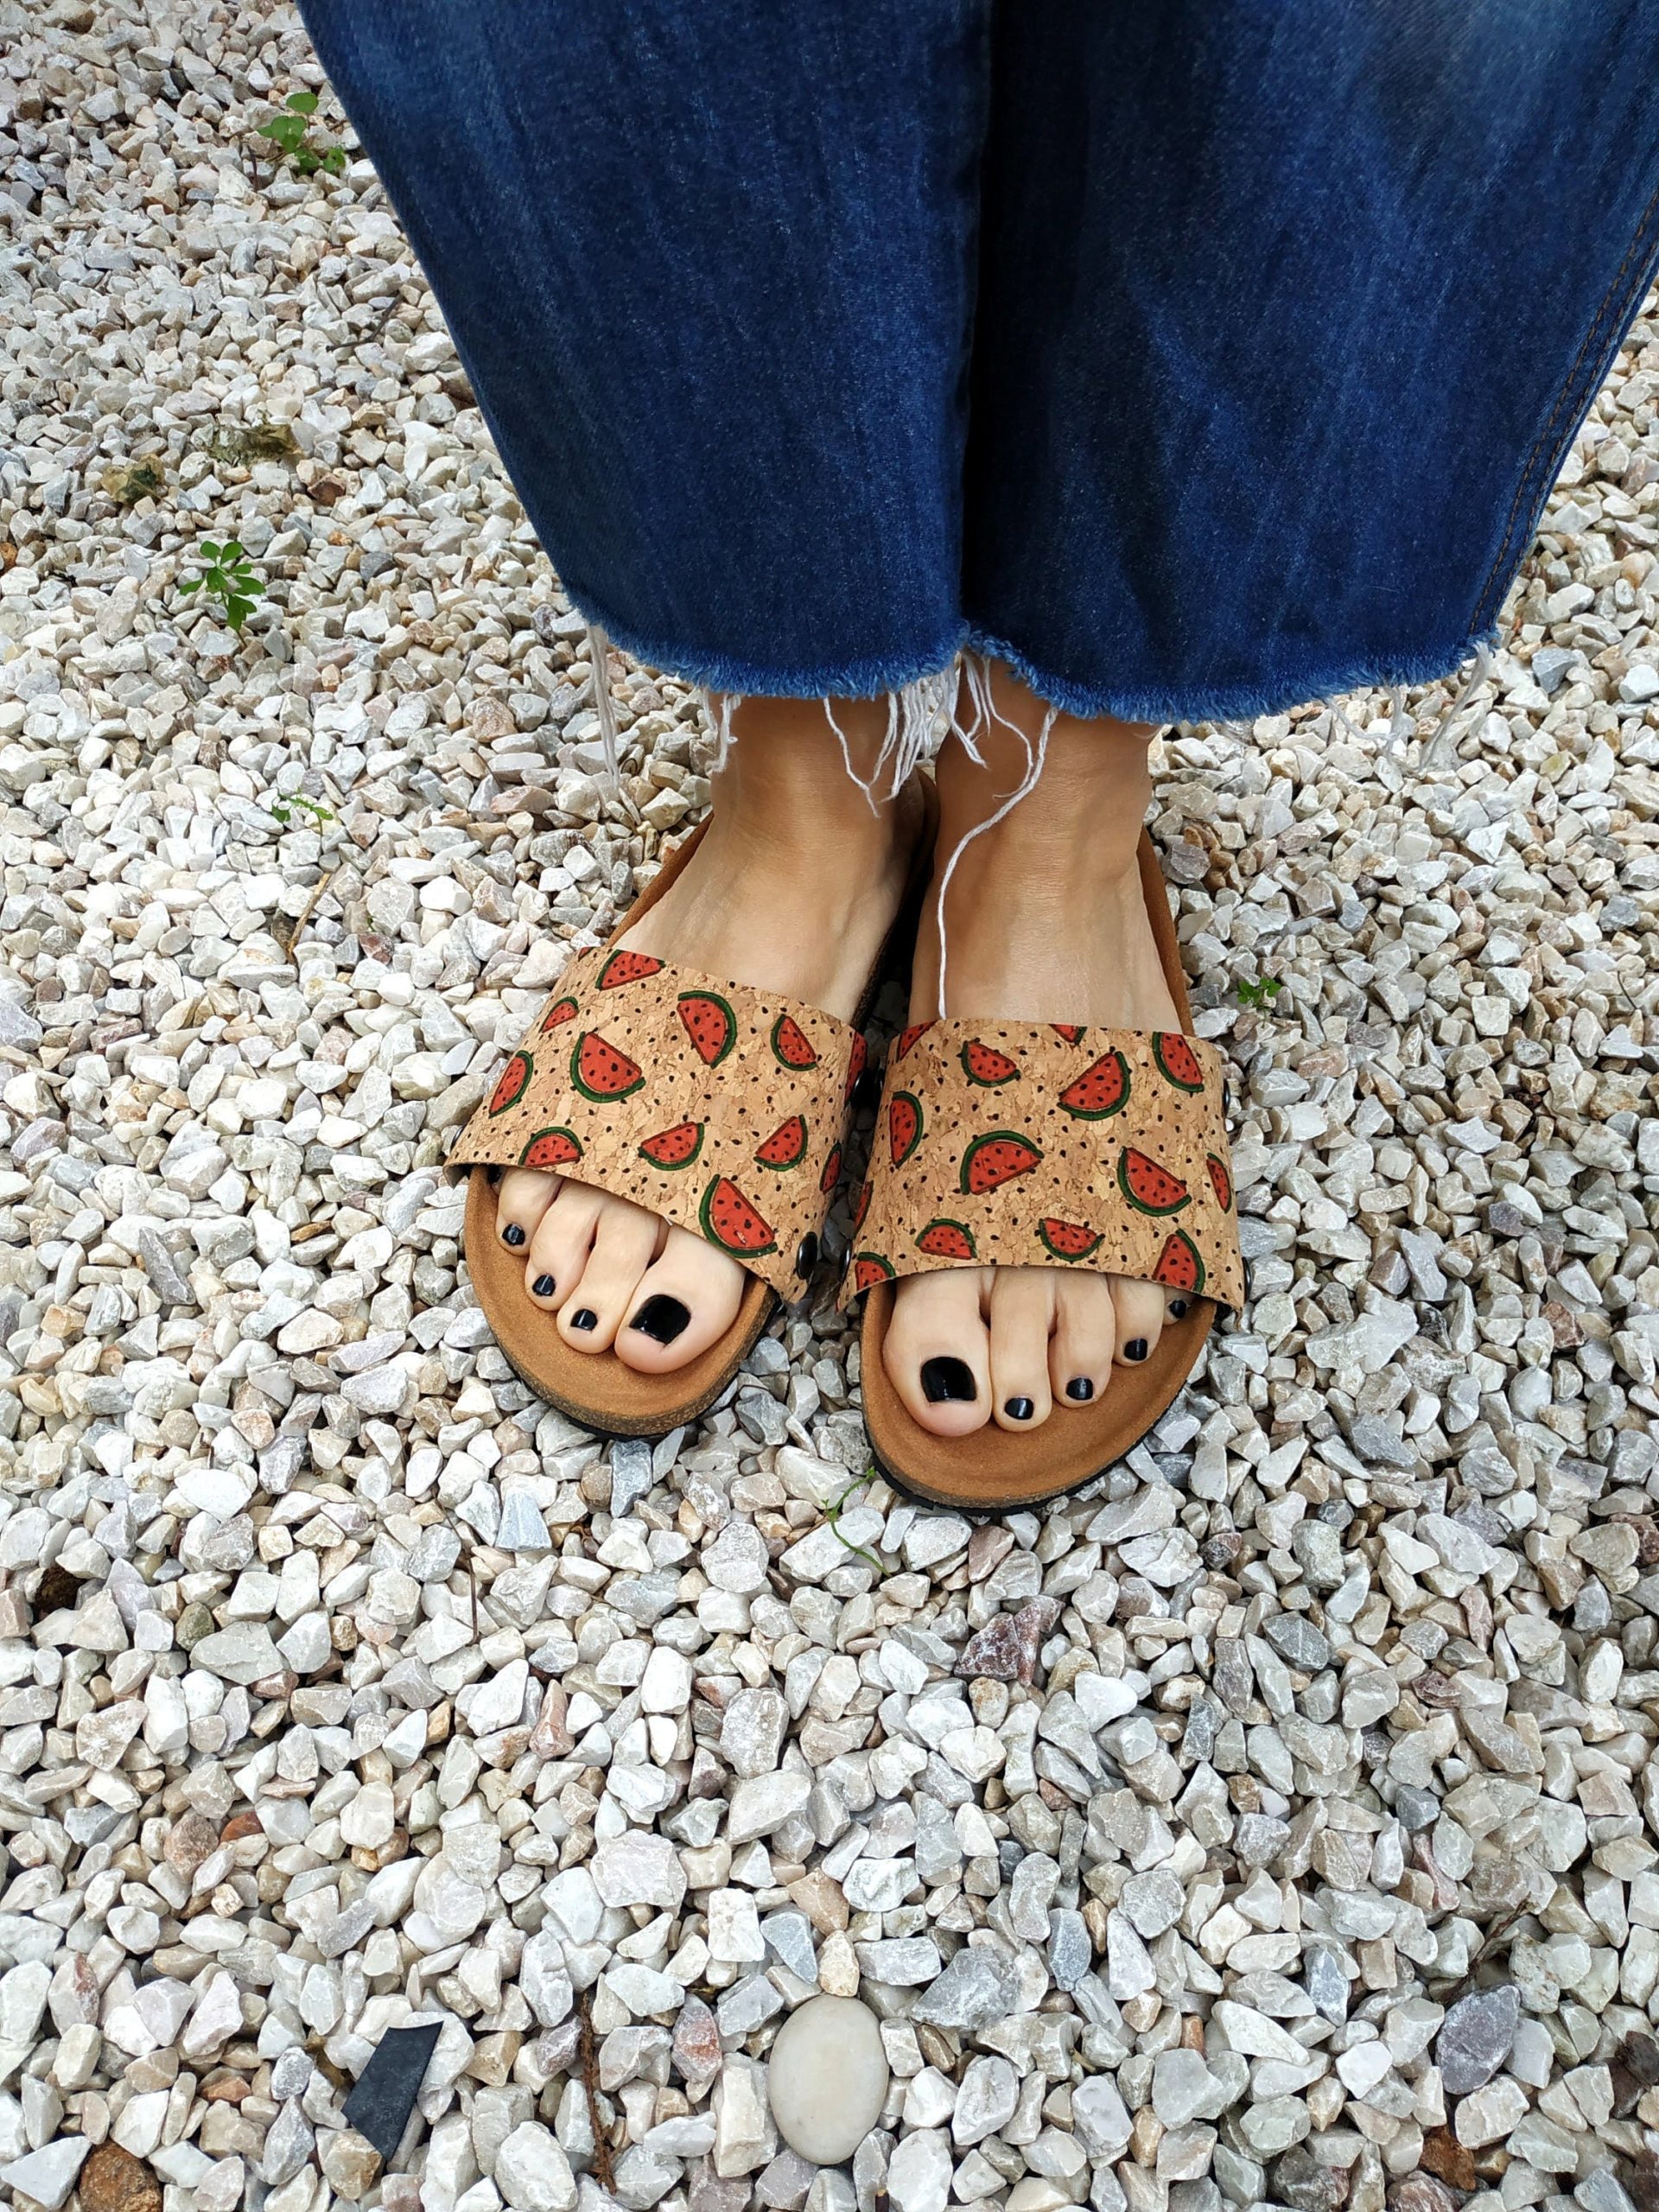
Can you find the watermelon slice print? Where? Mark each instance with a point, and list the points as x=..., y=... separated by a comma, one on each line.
x=984, y=1066
x=791, y=1044
x=709, y=1023
x=510, y=1083
x=1179, y=1265
x=870, y=1268
x=787, y=1146
x=1067, y=1240
x=995, y=1159
x=551, y=1148
x=1071, y=1031
x=1220, y=1182
x=558, y=1014
x=1148, y=1186
x=861, y=1205
x=674, y=1147
x=904, y=1126
x=1100, y=1090
x=730, y=1222
x=601, y=1073
x=1177, y=1061
x=947, y=1240
x=831, y=1174
x=908, y=1037
x=855, y=1066
x=627, y=967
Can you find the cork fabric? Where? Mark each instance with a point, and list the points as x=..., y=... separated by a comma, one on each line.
x=1034, y=1144
x=718, y=1107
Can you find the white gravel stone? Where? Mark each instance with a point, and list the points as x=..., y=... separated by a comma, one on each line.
x=826, y=2079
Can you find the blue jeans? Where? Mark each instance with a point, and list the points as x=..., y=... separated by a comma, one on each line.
x=1194, y=357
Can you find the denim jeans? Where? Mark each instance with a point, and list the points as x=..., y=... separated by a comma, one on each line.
x=1195, y=357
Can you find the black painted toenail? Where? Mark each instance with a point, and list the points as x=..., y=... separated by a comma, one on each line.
x=512, y=1234
x=1080, y=1388
x=1177, y=1309
x=662, y=1318
x=545, y=1286
x=1019, y=1409
x=1135, y=1348
x=584, y=1318
x=806, y=1257
x=943, y=1379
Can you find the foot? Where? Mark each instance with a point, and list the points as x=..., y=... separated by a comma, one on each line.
x=1047, y=922
x=792, y=890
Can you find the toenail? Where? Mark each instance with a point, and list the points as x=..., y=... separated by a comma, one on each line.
x=584, y=1318
x=1080, y=1388
x=806, y=1257
x=1177, y=1309
x=942, y=1379
x=545, y=1286
x=661, y=1317
x=512, y=1234
x=1019, y=1408
x=1135, y=1348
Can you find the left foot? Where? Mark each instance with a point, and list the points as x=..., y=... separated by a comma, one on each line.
x=1047, y=922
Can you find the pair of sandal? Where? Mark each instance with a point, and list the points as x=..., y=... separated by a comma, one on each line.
x=725, y=1110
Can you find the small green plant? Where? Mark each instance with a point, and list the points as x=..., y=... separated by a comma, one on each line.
x=288, y=131
x=1260, y=994
x=228, y=578
x=281, y=809
x=832, y=1514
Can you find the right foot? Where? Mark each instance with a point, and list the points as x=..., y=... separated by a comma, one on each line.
x=792, y=890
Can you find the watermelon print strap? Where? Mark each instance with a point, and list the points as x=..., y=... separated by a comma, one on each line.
x=720, y=1108
x=1038, y=1144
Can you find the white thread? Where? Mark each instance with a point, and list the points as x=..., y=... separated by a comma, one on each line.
x=598, y=646
x=852, y=775
x=720, y=725
x=1433, y=755
x=1035, y=758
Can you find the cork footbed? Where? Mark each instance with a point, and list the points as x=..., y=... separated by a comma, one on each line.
x=995, y=1469
x=749, y=1094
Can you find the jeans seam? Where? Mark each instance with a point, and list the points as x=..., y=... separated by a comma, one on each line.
x=1485, y=610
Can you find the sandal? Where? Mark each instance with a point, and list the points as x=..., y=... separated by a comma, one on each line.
x=721, y=1108
x=1026, y=1143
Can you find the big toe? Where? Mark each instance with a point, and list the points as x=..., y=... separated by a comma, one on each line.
x=685, y=1302
x=936, y=1350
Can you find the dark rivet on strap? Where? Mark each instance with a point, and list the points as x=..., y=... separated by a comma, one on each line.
x=806, y=1257
x=867, y=1091
x=1177, y=1309
x=1226, y=1096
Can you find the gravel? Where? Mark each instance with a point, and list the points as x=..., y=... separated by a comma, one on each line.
x=1272, y=1823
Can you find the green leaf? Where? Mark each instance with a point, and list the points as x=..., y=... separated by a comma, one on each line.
x=237, y=612
x=302, y=103
x=234, y=551
x=195, y=584
x=334, y=159
x=209, y=549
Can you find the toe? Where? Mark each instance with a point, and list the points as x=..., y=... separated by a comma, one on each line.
x=1022, y=1313
x=625, y=1244
x=685, y=1302
x=937, y=1351
x=1081, y=1349
x=1139, y=1310
x=521, y=1197
x=559, y=1250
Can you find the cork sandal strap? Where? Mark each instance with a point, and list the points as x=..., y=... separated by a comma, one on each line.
x=1048, y=1145
x=716, y=1108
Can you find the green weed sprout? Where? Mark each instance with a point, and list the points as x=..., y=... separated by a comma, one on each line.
x=228, y=578
x=287, y=132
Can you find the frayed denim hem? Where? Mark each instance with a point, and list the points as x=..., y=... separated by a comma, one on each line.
x=1230, y=702
x=858, y=679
